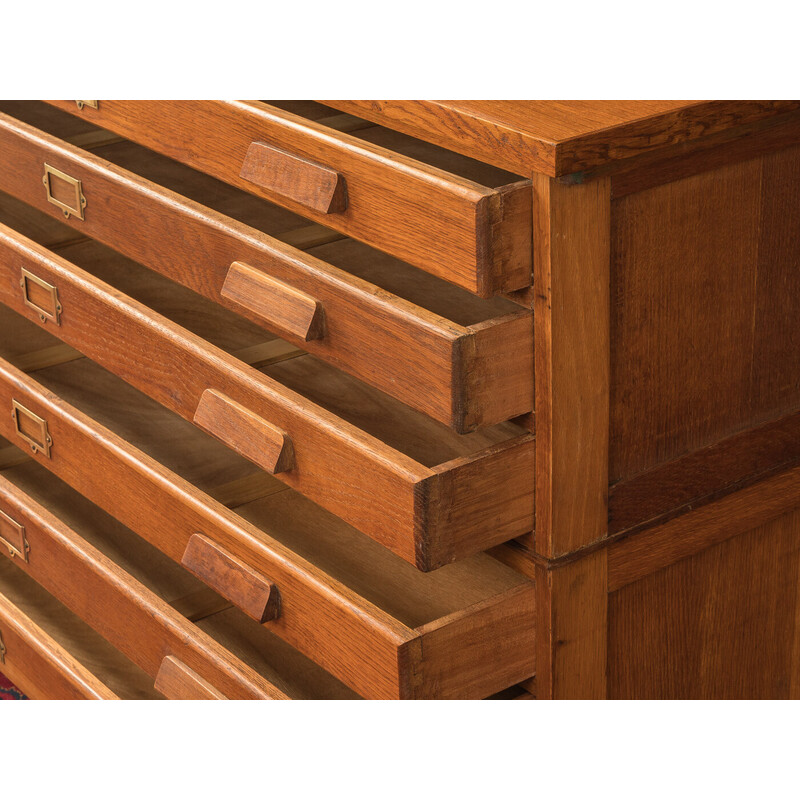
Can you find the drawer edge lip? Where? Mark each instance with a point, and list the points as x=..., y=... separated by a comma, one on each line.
x=462, y=269
x=174, y=634
x=80, y=680
x=515, y=609
x=344, y=290
x=366, y=623
x=471, y=191
x=310, y=426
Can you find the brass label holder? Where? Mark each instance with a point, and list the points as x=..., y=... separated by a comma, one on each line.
x=82, y=103
x=12, y=535
x=69, y=192
x=32, y=429
x=41, y=296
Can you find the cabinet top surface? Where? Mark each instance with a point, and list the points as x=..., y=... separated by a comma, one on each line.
x=560, y=137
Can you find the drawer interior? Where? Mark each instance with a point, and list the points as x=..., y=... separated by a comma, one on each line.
x=413, y=433
x=409, y=431
x=276, y=661
x=400, y=143
x=378, y=268
x=280, y=513
x=117, y=672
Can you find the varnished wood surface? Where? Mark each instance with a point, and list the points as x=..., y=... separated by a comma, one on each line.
x=701, y=476
x=146, y=634
x=560, y=137
x=312, y=185
x=385, y=492
x=434, y=346
x=572, y=627
x=346, y=602
x=104, y=596
x=722, y=624
x=41, y=667
x=703, y=310
x=572, y=354
x=65, y=658
x=247, y=589
x=176, y=681
x=651, y=549
x=474, y=236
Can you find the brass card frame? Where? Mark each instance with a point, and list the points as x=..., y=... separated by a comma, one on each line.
x=54, y=313
x=46, y=442
x=22, y=548
x=67, y=209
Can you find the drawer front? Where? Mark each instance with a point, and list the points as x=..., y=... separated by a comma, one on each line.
x=472, y=652
x=429, y=516
x=473, y=236
x=142, y=626
x=463, y=376
x=38, y=665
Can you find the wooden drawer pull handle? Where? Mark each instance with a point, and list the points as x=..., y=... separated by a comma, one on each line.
x=312, y=185
x=176, y=681
x=243, y=586
x=275, y=302
x=239, y=428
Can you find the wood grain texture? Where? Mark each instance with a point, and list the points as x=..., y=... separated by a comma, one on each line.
x=275, y=301
x=320, y=616
x=236, y=426
x=571, y=351
x=124, y=678
x=390, y=342
x=639, y=554
x=461, y=644
x=703, y=310
x=673, y=163
x=446, y=225
x=379, y=489
x=120, y=609
x=281, y=667
x=176, y=681
x=247, y=589
x=558, y=137
x=718, y=625
x=39, y=666
x=312, y=185
x=572, y=627
x=701, y=476
x=353, y=610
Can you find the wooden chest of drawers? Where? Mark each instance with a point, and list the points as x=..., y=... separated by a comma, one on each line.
x=393, y=399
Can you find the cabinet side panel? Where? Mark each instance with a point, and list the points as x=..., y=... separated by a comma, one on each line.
x=705, y=297
x=723, y=624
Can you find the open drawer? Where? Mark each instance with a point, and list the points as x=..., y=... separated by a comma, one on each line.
x=146, y=606
x=368, y=617
x=51, y=654
x=412, y=484
x=463, y=361
x=456, y=218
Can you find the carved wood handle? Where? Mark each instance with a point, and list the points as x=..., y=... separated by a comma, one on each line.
x=313, y=185
x=283, y=306
x=233, y=579
x=247, y=433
